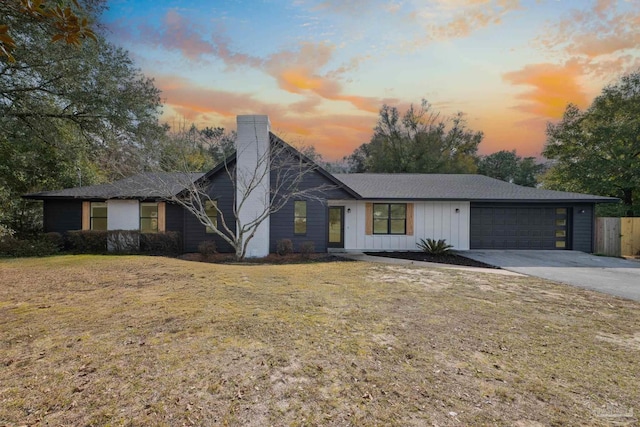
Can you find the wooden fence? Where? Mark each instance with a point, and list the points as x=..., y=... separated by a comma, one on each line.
x=618, y=236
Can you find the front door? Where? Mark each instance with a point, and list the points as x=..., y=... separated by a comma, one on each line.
x=336, y=227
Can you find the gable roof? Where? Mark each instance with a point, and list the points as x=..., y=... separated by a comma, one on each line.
x=150, y=185
x=147, y=185
x=466, y=187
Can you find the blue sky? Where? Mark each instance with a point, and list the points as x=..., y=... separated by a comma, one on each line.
x=322, y=69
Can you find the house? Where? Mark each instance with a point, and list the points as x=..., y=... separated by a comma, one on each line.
x=348, y=212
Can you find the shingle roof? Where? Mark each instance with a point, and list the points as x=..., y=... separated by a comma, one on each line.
x=141, y=186
x=454, y=187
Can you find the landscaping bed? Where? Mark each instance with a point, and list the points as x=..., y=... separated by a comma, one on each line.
x=449, y=258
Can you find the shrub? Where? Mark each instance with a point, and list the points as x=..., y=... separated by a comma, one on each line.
x=87, y=241
x=307, y=248
x=56, y=239
x=123, y=241
x=284, y=247
x=206, y=248
x=434, y=247
x=166, y=243
x=41, y=246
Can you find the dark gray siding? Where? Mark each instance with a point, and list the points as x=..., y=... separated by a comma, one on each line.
x=281, y=222
x=194, y=233
x=174, y=218
x=62, y=215
x=579, y=228
x=582, y=236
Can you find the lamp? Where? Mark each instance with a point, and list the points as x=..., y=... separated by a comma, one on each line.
x=348, y=210
x=457, y=210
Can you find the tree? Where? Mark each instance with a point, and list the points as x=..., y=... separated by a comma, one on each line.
x=191, y=149
x=279, y=169
x=598, y=150
x=418, y=141
x=63, y=22
x=69, y=116
x=508, y=166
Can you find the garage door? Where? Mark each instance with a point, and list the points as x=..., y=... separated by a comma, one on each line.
x=518, y=228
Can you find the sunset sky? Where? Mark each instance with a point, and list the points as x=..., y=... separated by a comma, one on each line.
x=321, y=70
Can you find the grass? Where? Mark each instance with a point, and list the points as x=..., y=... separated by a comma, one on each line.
x=105, y=340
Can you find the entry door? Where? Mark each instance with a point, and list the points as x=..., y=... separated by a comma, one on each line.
x=336, y=227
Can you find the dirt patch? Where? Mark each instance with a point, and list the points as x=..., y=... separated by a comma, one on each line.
x=450, y=258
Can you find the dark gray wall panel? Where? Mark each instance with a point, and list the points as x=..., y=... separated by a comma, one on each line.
x=281, y=222
x=194, y=233
x=582, y=237
x=174, y=217
x=62, y=215
x=528, y=226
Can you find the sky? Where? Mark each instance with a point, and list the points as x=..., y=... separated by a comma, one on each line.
x=321, y=69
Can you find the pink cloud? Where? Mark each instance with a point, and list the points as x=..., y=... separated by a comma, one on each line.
x=552, y=87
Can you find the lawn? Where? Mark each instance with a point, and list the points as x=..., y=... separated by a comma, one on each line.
x=97, y=340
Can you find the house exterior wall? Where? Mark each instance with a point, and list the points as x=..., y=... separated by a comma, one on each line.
x=582, y=233
x=282, y=222
x=174, y=218
x=580, y=226
x=123, y=215
x=62, y=215
x=435, y=220
x=221, y=190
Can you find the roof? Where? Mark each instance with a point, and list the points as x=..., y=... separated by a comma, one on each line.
x=454, y=187
x=146, y=185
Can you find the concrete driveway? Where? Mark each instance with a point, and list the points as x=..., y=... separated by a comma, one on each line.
x=613, y=276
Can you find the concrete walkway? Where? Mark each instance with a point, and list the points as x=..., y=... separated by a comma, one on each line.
x=614, y=276
x=358, y=256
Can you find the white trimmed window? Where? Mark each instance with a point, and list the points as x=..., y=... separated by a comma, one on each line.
x=98, y=216
x=149, y=217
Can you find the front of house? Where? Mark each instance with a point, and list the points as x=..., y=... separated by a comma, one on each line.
x=348, y=212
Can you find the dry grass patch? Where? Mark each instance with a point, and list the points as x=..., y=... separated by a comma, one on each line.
x=95, y=340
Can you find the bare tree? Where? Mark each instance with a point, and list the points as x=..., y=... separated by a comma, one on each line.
x=280, y=168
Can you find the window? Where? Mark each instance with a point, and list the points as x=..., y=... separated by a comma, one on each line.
x=211, y=209
x=300, y=217
x=149, y=217
x=98, y=216
x=389, y=218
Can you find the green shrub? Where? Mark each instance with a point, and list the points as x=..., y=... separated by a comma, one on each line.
x=56, y=239
x=40, y=246
x=87, y=241
x=434, y=247
x=165, y=243
x=307, y=248
x=123, y=241
x=206, y=248
x=284, y=247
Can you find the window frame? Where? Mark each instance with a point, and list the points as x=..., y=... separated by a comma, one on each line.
x=214, y=219
x=149, y=217
x=389, y=218
x=296, y=217
x=92, y=216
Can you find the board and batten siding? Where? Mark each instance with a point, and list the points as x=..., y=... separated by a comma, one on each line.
x=582, y=231
x=282, y=222
x=222, y=190
x=434, y=220
x=123, y=214
x=62, y=215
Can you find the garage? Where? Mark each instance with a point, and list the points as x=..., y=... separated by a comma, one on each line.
x=519, y=227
